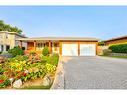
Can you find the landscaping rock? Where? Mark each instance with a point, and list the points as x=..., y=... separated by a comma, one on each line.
x=46, y=81
x=11, y=80
x=26, y=71
x=17, y=83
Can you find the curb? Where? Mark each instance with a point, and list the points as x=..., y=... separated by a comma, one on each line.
x=59, y=77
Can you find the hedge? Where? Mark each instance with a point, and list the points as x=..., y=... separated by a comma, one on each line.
x=119, y=48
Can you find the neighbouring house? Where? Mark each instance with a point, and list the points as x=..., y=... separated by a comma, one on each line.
x=117, y=40
x=8, y=40
x=65, y=46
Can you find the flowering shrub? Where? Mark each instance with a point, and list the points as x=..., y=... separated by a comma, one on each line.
x=26, y=68
x=4, y=81
x=1, y=69
x=50, y=68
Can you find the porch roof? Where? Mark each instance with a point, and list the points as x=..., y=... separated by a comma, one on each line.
x=58, y=39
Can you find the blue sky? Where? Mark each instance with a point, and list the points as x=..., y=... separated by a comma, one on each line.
x=81, y=21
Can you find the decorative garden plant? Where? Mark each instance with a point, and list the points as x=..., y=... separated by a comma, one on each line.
x=26, y=68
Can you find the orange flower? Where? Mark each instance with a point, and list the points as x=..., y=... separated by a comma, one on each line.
x=1, y=81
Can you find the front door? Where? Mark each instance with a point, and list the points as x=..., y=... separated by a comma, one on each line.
x=30, y=46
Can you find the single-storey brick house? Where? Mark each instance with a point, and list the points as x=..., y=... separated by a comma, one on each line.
x=65, y=46
x=118, y=40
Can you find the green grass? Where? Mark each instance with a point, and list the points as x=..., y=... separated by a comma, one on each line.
x=36, y=87
x=125, y=57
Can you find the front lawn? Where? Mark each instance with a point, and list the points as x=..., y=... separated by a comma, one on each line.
x=125, y=57
x=26, y=68
x=36, y=87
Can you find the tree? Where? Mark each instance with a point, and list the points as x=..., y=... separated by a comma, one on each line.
x=1, y=25
x=7, y=27
x=102, y=43
x=19, y=31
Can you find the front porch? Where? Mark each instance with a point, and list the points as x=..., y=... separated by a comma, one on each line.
x=38, y=46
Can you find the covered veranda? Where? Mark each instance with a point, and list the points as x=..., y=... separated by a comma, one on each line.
x=37, y=45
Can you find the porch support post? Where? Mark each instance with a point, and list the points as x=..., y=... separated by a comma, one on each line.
x=20, y=44
x=50, y=47
x=34, y=45
x=97, y=48
x=78, y=48
x=60, y=48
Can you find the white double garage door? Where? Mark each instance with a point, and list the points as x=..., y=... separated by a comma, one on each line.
x=84, y=49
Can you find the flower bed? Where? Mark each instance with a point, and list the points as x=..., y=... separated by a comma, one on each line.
x=27, y=68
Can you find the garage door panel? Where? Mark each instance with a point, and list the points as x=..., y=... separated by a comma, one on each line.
x=69, y=46
x=70, y=49
x=87, y=50
x=69, y=53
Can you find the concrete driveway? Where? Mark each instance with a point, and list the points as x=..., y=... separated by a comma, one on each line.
x=95, y=73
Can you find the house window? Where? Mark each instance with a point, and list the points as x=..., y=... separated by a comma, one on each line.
x=6, y=36
x=39, y=45
x=7, y=47
x=23, y=48
x=2, y=48
x=46, y=44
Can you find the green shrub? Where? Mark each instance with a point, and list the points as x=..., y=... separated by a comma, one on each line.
x=1, y=69
x=52, y=59
x=119, y=48
x=55, y=59
x=16, y=51
x=0, y=52
x=45, y=51
x=3, y=77
x=5, y=83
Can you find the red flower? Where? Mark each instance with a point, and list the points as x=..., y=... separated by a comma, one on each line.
x=18, y=77
x=1, y=81
x=23, y=74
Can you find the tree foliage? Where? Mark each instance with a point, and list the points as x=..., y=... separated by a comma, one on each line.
x=9, y=28
x=102, y=43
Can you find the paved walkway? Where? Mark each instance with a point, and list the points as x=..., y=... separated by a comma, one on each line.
x=95, y=73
